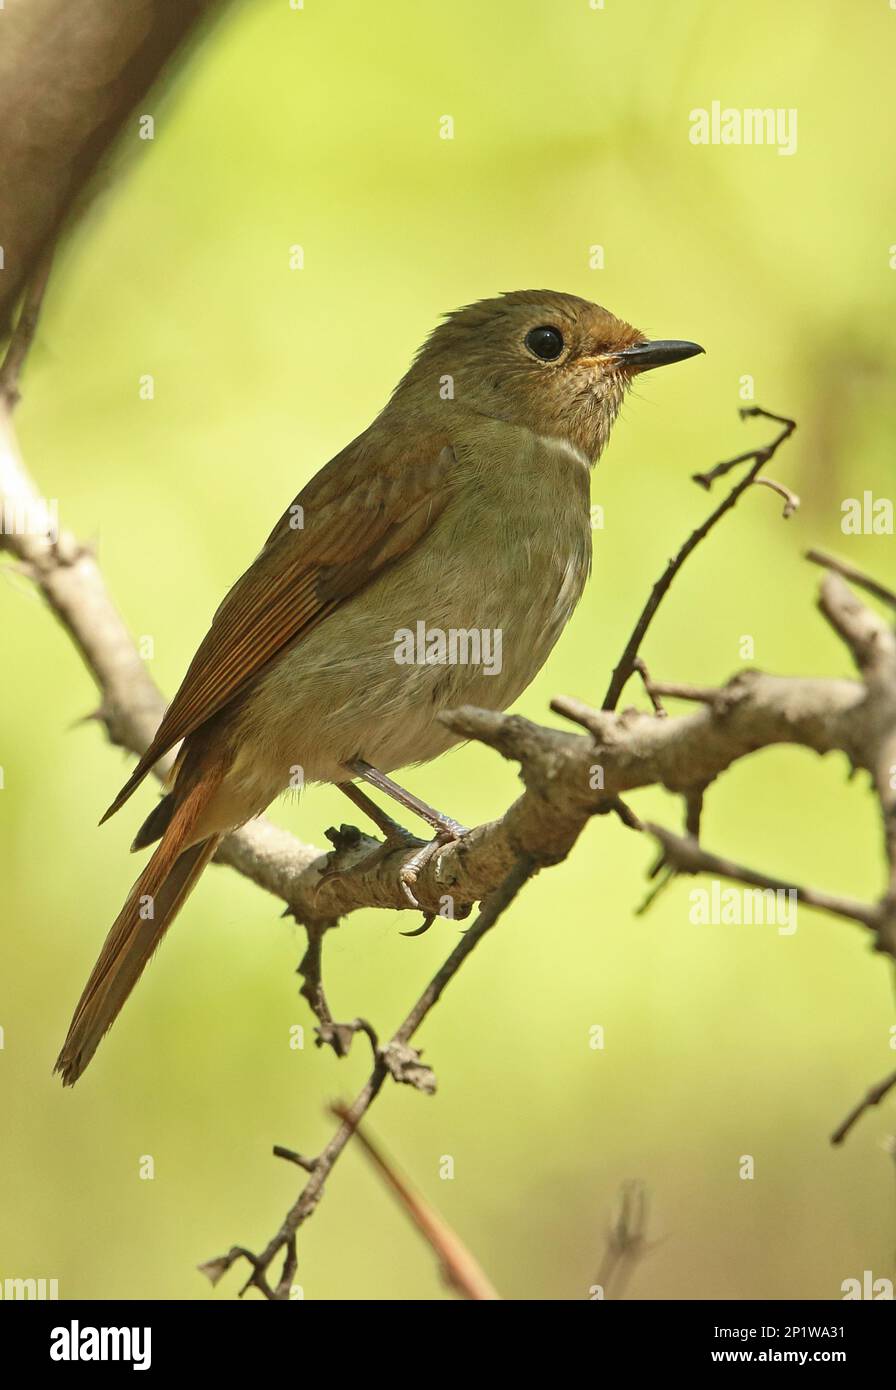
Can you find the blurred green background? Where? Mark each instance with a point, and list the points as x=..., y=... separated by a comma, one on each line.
x=320, y=127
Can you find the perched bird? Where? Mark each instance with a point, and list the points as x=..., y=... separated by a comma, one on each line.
x=462, y=511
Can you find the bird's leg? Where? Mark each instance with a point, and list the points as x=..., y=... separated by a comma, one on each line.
x=440, y=823
x=396, y=835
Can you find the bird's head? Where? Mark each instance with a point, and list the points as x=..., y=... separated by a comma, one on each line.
x=552, y=362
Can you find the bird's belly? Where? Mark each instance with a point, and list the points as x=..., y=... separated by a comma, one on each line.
x=468, y=619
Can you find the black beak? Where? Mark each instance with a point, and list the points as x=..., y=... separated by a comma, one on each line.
x=642, y=356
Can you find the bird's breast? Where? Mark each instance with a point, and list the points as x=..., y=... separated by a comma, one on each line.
x=467, y=616
x=505, y=567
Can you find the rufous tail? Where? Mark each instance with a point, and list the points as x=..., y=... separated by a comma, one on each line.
x=151, y=907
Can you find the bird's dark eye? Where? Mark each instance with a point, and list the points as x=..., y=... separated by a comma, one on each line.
x=545, y=342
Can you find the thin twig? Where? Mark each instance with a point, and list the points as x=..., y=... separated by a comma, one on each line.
x=699, y=694
x=693, y=801
x=791, y=501
x=760, y=456
x=626, y=1241
x=396, y=1059
x=339, y=1036
x=855, y=576
x=874, y=1096
x=652, y=694
x=291, y=1156
x=687, y=856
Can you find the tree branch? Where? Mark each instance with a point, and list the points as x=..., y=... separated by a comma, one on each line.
x=626, y=665
x=70, y=76
x=397, y=1059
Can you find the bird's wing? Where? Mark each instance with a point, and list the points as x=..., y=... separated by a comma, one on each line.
x=357, y=515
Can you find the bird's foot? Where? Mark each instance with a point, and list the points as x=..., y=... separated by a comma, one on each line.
x=396, y=837
x=412, y=867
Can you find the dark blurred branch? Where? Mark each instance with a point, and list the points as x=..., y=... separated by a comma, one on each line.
x=874, y=1096
x=70, y=76
x=462, y=1272
x=23, y=334
x=626, y=1242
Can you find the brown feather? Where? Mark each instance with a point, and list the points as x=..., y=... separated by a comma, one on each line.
x=166, y=880
x=355, y=526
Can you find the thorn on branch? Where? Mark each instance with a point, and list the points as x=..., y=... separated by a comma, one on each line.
x=662, y=883
x=652, y=692
x=214, y=1270
x=873, y=1097
x=339, y=1035
x=101, y=715
x=791, y=500
x=577, y=712
x=699, y=694
x=309, y=1164
x=404, y=1065
x=614, y=805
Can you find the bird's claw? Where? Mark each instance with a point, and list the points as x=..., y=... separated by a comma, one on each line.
x=411, y=868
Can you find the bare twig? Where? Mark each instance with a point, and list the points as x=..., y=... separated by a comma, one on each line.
x=685, y=855
x=855, y=576
x=309, y=1164
x=626, y=1241
x=693, y=802
x=791, y=501
x=626, y=664
x=698, y=694
x=652, y=692
x=329, y=1033
x=874, y=1096
x=397, y=1059
x=70, y=77
x=760, y=455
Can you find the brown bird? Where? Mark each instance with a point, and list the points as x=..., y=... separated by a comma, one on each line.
x=433, y=562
